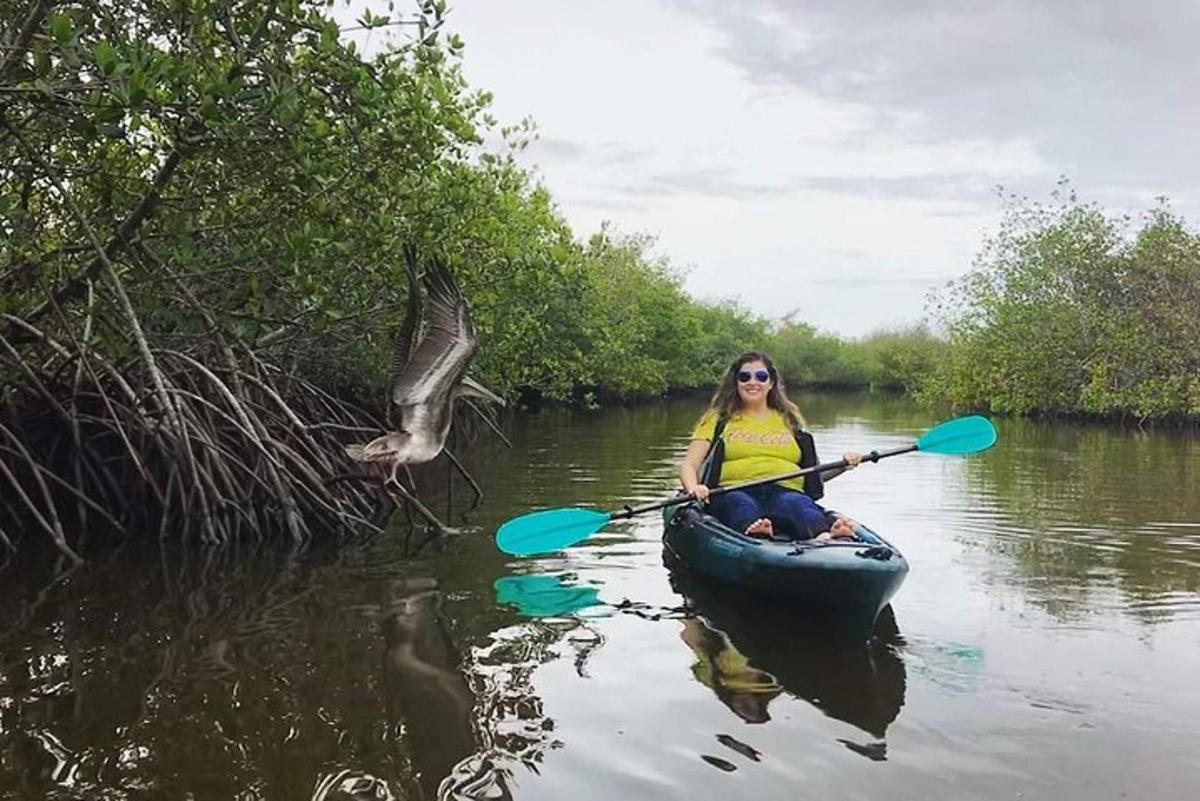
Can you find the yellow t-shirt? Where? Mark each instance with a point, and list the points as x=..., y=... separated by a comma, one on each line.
x=755, y=447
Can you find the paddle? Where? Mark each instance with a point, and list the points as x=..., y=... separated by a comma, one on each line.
x=555, y=529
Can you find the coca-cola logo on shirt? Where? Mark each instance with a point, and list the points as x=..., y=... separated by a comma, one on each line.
x=761, y=437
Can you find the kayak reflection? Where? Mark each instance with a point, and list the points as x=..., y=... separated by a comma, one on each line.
x=748, y=652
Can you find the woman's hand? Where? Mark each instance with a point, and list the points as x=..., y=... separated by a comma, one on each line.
x=852, y=459
x=701, y=492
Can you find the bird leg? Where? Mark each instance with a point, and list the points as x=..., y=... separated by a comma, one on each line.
x=411, y=497
x=385, y=511
x=408, y=512
x=470, y=479
x=487, y=419
x=453, y=438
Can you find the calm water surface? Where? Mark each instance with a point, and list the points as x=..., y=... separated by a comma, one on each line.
x=1045, y=645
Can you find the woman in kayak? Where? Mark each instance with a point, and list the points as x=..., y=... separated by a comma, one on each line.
x=751, y=430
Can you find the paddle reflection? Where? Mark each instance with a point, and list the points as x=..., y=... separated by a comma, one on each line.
x=543, y=595
x=749, y=652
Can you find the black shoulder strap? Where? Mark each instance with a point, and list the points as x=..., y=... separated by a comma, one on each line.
x=710, y=468
x=814, y=487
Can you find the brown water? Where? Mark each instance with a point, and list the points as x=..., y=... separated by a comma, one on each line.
x=1048, y=645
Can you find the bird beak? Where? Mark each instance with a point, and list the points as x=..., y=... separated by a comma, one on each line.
x=473, y=389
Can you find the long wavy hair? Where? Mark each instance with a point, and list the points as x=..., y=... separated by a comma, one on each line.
x=726, y=401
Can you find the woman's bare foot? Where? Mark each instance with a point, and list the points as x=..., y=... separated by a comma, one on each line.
x=841, y=528
x=761, y=527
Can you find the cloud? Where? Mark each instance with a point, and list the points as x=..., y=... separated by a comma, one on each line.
x=548, y=147
x=602, y=154
x=606, y=205
x=706, y=182
x=765, y=142
x=928, y=186
x=1104, y=91
x=892, y=281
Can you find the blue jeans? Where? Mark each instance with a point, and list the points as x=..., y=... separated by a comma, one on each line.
x=793, y=514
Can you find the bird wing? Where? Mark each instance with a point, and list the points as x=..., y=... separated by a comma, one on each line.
x=406, y=334
x=446, y=345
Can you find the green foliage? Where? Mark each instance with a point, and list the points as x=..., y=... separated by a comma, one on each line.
x=645, y=334
x=895, y=359
x=1067, y=311
x=249, y=157
x=810, y=358
x=899, y=359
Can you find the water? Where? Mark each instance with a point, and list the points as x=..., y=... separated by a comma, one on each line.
x=1045, y=644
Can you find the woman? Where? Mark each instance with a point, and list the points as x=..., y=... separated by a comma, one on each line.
x=756, y=433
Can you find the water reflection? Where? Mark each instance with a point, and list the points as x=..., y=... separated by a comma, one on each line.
x=428, y=697
x=725, y=670
x=363, y=671
x=351, y=785
x=750, y=651
x=1082, y=511
x=1085, y=518
x=240, y=674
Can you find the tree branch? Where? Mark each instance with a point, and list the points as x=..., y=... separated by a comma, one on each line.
x=17, y=48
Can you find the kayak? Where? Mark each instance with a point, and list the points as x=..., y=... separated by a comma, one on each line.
x=846, y=582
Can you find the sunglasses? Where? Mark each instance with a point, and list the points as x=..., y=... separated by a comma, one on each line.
x=760, y=376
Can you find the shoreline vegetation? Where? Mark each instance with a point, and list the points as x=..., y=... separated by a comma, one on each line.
x=1067, y=312
x=201, y=225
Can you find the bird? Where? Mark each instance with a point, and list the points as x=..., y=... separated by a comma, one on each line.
x=433, y=350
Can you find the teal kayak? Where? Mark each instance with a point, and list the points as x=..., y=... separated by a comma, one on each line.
x=846, y=582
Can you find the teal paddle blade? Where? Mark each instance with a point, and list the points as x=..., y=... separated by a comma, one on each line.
x=962, y=435
x=540, y=595
x=548, y=530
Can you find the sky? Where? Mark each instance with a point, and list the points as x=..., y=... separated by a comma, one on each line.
x=838, y=161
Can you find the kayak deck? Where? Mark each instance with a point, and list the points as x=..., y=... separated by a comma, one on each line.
x=846, y=581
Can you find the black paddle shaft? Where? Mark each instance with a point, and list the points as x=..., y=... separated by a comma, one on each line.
x=684, y=497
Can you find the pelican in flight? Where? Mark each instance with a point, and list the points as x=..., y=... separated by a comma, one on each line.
x=434, y=347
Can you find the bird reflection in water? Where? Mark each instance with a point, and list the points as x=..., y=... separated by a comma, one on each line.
x=429, y=697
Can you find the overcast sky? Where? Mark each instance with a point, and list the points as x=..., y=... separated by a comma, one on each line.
x=839, y=159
